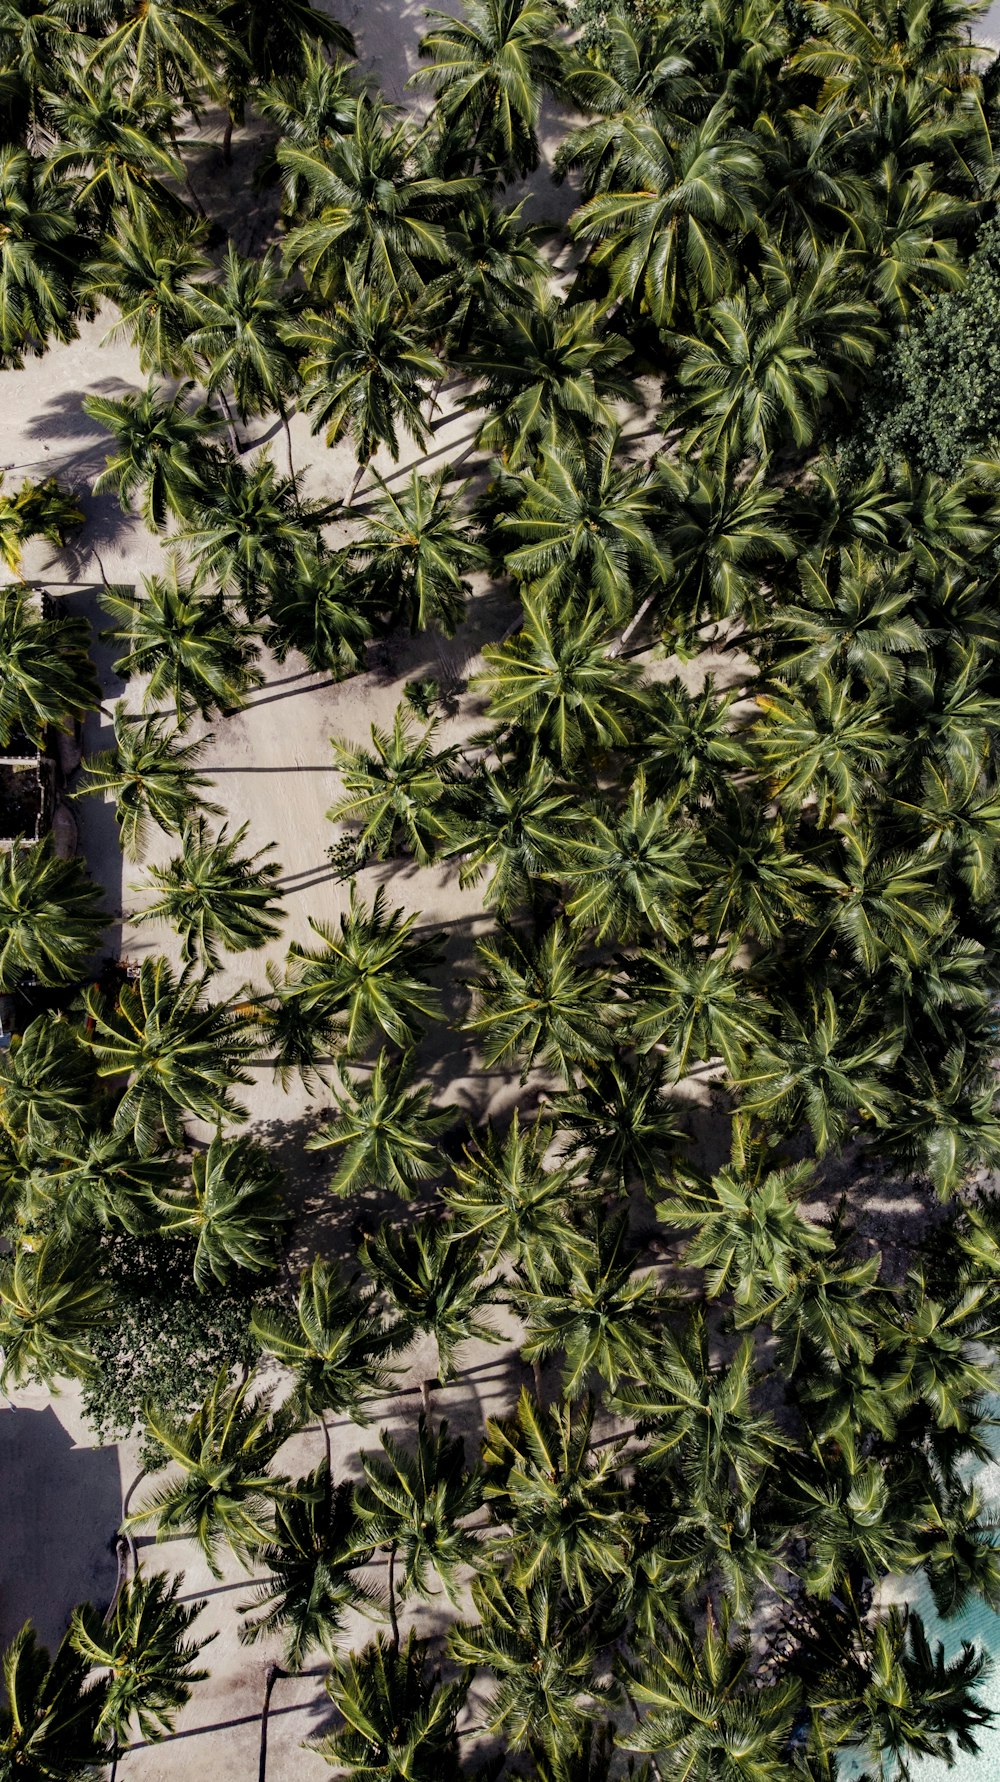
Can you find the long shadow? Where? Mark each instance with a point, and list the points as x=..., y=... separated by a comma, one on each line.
x=197, y=1732
x=292, y=767
x=289, y=693
x=62, y=1506
x=289, y=888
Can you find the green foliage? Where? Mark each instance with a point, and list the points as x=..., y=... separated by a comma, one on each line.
x=50, y=917
x=739, y=413
x=935, y=402
x=166, y=1338
x=46, y=675
x=316, y=1547
x=213, y=895
x=49, y=1722
x=143, y=1646
x=151, y=774
x=224, y=1452
x=396, y=1718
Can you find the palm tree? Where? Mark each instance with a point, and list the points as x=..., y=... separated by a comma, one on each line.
x=910, y=1701
x=415, y=552
x=513, y=822
x=110, y=145
x=366, y=370
x=703, y=1710
x=46, y=1084
x=756, y=373
x=828, y=1319
x=46, y=675
x=594, y=1310
x=49, y=1723
x=51, y=918
x=51, y=1302
x=308, y=109
x=384, y=1131
x=316, y=1547
x=251, y=529
x=212, y=895
x=503, y=1196
x=89, y=1179
x=224, y=1452
x=629, y=872
x=40, y=250
x=703, y=1415
x=897, y=44
x=493, y=264
x=151, y=774
x=149, y=269
x=396, y=1718
x=315, y=607
x=34, y=40
x=558, y=686
x=233, y=1207
x=194, y=650
x=535, y=1003
x=546, y=369
x=167, y=47
x=370, y=974
x=695, y=1005
x=822, y=744
x=755, y=883
x=142, y=1644
x=36, y=510
x=394, y=790
x=956, y=1547
x=372, y=223
x=543, y=1656
x=435, y=1280
x=413, y=1503
x=579, y=525
x=566, y=1507
x=618, y=1123
x=823, y=1066
x=242, y=340
x=271, y=48
x=336, y=1345
x=662, y=238
x=726, y=532
x=180, y=1055
x=162, y=451
x=690, y=747
x=487, y=73
x=749, y=1234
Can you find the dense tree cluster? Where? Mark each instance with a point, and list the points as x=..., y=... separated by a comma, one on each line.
x=665, y=1559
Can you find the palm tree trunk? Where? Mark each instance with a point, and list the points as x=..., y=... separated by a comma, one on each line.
x=234, y=437
x=324, y=1426
x=126, y=1500
x=617, y=648
x=536, y=1375
x=393, y=1621
x=274, y=1671
x=425, y=1397
x=114, y=1757
x=122, y=1555
x=288, y=444
x=357, y=482
x=460, y=346
x=192, y=194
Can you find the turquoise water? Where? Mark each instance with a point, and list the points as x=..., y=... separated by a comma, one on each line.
x=981, y=1626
